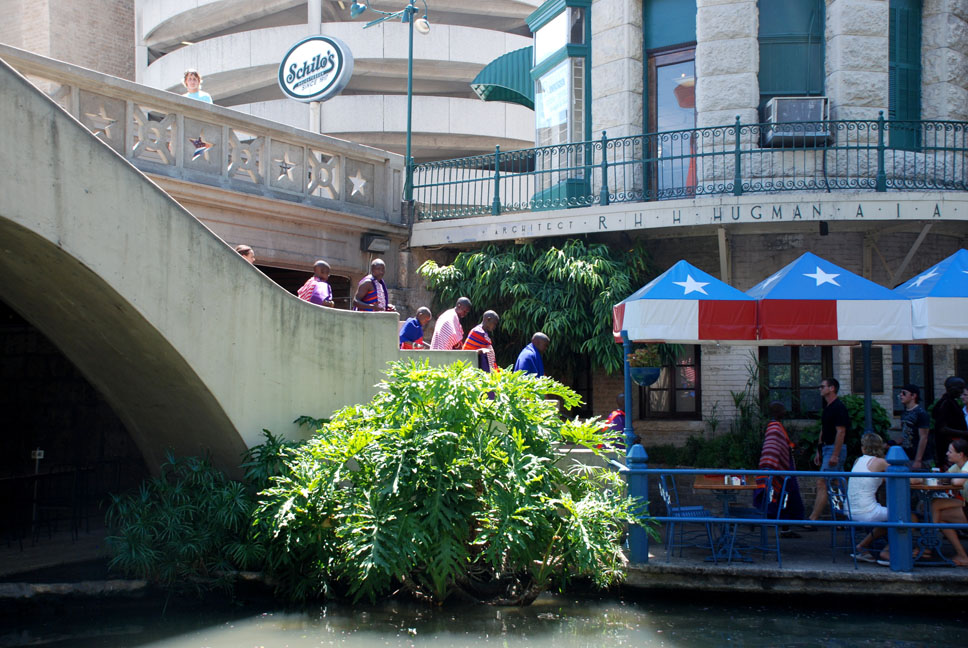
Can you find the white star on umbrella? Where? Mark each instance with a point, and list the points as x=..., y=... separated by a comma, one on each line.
x=691, y=285
x=822, y=277
x=920, y=280
x=359, y=182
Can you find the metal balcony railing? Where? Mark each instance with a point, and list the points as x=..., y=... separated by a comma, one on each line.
x=874, y=155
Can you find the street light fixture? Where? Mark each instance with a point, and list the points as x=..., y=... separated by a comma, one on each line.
x=422, y=25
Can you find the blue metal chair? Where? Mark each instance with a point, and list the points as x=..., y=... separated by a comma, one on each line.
x=670, y=497
x=762, y=513
x=840, y=512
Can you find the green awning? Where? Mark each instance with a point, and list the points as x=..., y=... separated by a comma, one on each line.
x=507, y=78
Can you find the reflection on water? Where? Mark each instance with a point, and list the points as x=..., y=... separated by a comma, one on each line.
x=552, y=622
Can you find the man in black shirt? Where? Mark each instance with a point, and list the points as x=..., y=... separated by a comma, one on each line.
x=949, y=418
x=916, y=437
x=832, y=453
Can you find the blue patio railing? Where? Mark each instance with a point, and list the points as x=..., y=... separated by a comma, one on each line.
x=877, y=155
x=897, y=479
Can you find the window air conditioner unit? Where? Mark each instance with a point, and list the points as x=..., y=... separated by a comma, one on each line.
x=796, y=121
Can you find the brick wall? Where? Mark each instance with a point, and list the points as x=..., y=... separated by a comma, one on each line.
x=97, y=35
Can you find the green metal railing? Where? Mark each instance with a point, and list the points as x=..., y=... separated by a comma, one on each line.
x=875, y=155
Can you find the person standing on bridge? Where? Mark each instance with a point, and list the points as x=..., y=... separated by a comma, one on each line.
x=317, y=290
x=193, y=83
x=529, y=360
x=371, y=292
x=246, y=253
x=411, y=334
x=448, y=333
x=479, y=339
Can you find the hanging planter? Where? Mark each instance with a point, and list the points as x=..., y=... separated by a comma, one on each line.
x=645, y=376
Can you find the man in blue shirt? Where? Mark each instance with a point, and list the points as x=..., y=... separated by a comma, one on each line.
x=411, y=335
x=529, y=360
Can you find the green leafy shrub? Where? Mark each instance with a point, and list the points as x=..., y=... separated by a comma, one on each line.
x=439, y=490
x=185, y=529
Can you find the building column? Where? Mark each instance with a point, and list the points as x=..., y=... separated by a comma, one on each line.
x=727, y=62
x=616, y=67
x=856, y=58
x=944, y=60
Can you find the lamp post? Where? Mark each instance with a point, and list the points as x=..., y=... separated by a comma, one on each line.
x=422, y=25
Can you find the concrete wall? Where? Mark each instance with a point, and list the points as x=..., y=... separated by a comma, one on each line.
x=194, y=348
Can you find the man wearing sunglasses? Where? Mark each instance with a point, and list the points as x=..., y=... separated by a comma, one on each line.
x=916, y=437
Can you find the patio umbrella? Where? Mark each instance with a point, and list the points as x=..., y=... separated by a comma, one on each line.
x=685, y=305
x=939, y=301
x=813, y=301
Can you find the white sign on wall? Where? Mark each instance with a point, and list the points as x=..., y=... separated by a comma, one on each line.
x=316, y=69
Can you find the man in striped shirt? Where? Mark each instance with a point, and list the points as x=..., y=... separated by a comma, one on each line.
x=479, y=339
x=317, y=290
x=448, y=333
x=371, y=292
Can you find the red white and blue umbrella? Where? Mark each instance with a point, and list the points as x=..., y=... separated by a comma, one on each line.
x=685, y=305
x=813, y=301
x=939, y=300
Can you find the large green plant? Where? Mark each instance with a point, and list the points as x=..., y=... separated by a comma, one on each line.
x=450, y=482
x=188, y=528
x=565, y=289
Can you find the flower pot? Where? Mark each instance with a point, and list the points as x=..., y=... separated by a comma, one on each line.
x=645, y=376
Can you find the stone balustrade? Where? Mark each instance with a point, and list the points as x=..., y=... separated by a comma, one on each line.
x=169, y=135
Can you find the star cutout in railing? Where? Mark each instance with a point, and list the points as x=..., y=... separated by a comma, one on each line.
x=285, y=167
x=359, y=182
x=100, y=122
x=201, y=146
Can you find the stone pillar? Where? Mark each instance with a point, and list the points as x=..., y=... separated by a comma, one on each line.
x=856, y=58
x=727, y=62
x=944, y=60
x=616, y=67
x=616, y=79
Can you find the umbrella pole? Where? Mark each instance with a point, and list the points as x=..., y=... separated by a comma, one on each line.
x=627, y=350
x=866, y=348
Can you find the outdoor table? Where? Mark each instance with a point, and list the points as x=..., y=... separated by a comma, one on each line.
x=726, y=493
x=930, y=539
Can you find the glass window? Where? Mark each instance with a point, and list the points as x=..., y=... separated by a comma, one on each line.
x=792, y=375
x=672, y=77
x=677, y=392
x=566, y=28
x=912, y=364
x=791, y=39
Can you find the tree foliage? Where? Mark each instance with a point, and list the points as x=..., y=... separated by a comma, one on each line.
x=449, y=482
x=565, y=289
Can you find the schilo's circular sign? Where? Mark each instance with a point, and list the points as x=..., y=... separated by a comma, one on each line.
x=316, y=69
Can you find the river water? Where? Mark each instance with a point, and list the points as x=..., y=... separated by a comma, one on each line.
x=552, y=622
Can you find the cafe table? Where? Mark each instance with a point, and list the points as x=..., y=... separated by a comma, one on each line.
x=930, y=539
x=724, y=488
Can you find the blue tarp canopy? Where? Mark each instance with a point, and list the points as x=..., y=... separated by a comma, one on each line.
x=939, y=300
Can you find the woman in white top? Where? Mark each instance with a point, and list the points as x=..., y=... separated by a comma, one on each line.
x=862, y=493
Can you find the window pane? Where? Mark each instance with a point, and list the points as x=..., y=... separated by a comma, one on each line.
x=779, y=376
x=550, y=38
x=916, y=353
x=897, y=353
x=685, y=401
x=658, y=400
x=686, y=377
x=809, y=400
x=810, y=354
x=785, y=396
x=897, y=376
x=810, y=376
x=778, y=354
x=916, y=375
